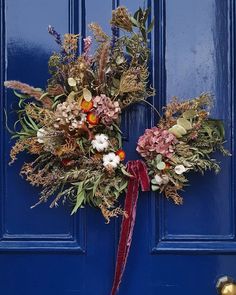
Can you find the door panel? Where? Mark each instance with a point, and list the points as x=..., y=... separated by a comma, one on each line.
x=175, y=250
x=44, y=251
x=28, y=48
x=199, y=51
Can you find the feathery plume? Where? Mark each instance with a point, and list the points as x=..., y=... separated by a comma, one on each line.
x=24, y=88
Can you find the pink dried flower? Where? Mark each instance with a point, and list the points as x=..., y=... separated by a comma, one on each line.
x=156, y=141
x=87, y=47
x=107, y=110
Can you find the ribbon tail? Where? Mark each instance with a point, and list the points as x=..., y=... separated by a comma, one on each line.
x=139, y=171
x=125, y=235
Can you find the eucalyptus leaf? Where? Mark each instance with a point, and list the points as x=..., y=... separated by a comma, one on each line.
x=87, y=94
x=189, y=114
x=184, y=123
x=71, y=96
x=161, y=166
x=71, y=82
x=158, y=159
x=155, y=188
x=153, y=181
x=178, y=130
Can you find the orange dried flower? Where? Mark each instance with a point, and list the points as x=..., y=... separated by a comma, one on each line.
x=121, y=154
x=86, y=106
x=92, y=118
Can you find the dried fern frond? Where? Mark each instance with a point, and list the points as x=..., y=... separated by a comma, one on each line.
x=109, y=213
x=171, y=192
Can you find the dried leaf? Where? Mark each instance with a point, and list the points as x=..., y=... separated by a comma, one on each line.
x=87, y=94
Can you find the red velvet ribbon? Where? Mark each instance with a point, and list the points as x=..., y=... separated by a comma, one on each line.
x=139, y=173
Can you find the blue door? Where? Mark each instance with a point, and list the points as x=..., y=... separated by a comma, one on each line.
x=175, y=250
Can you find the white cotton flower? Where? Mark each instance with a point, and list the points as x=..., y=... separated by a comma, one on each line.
x=100, y=143
x=41, y=134
x=111, y=159
x=180, y=169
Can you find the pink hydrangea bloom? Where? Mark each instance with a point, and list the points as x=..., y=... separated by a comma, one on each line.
x=107, y=110
x=156, y=141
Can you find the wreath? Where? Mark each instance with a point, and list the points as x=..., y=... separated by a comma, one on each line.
x=72, y=129
x=182, y=142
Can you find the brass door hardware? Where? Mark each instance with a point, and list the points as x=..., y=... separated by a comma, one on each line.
x=226, y=286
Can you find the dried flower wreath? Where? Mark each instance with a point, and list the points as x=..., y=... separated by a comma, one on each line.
x=72, y=128
x=183, y=141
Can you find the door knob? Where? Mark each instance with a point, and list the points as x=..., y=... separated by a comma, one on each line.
x=226, y=286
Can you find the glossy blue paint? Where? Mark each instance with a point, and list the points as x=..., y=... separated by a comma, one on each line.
x=179, y=250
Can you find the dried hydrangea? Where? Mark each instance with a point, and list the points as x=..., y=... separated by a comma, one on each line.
x=156, y=141
x=107, y=110
x=68, y=113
